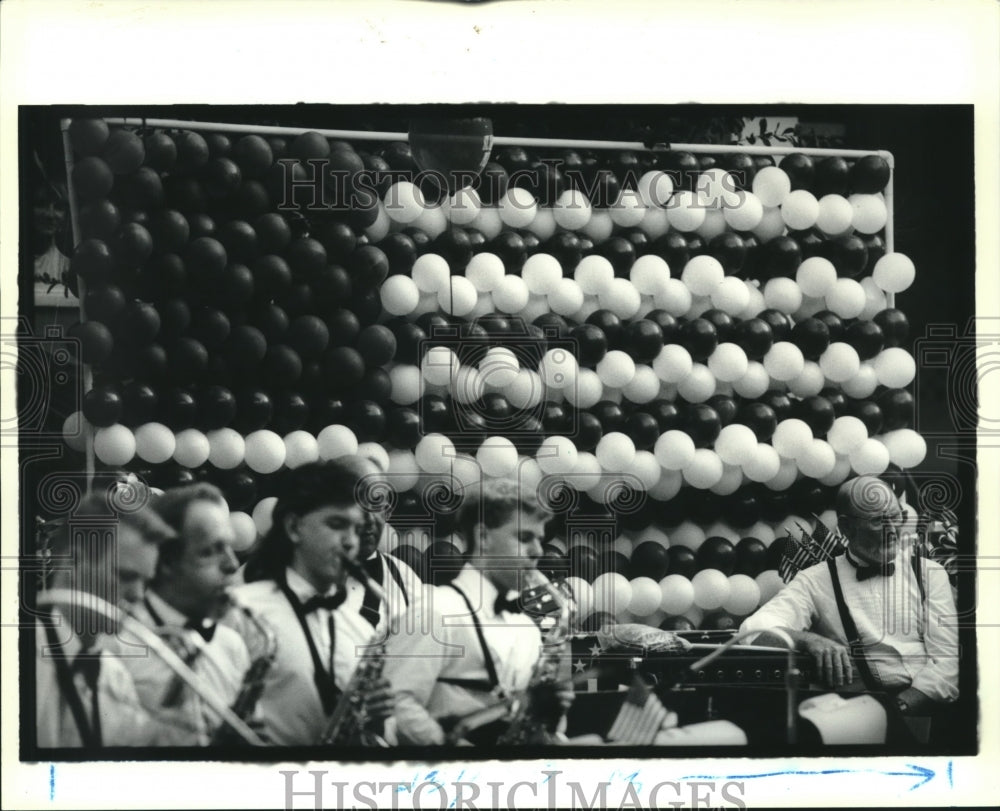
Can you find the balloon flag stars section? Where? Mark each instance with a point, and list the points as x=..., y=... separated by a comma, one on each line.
x=685, y=355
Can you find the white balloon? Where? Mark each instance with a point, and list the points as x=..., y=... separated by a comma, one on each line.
x=846, y=434
x=771, y=185
x=835, y=214
x=699, y=385
x=894, y=272
x=763, y=464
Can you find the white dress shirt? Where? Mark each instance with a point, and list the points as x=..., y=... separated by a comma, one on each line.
x=906, y=642
x=123, y=720
x=290, y=708
x=440, y=641
x=221, y=663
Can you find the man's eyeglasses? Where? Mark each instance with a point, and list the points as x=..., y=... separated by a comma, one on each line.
x=878, y=522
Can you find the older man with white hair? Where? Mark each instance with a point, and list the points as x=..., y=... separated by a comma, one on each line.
x=877, y=617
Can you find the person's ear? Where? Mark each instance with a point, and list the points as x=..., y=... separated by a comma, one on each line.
x=291, y=526
x=479, y=540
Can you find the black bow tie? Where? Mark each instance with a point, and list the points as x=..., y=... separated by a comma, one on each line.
x=204, y=627
x=868, y=572
x=511, y=606
x=330, y=602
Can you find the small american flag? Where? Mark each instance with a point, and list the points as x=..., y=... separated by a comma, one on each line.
x=641, y=716
x=812, y=548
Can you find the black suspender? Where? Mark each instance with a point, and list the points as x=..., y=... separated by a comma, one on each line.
x=90, y=733
x=491, y=669
x=324, y=679
x=851, y=630
x=853, y=637
x=370, y=605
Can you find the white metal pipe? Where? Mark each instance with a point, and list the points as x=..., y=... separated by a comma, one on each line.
x=890, y=233
x=81, y=289
x=499, y=140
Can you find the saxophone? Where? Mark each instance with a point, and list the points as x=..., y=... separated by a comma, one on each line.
x=262, y=643
x=535, y=712
x=350, y=724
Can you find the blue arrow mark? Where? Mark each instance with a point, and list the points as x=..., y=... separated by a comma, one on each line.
x=925, y=774
x=52, y=781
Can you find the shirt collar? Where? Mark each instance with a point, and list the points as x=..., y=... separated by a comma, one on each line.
x=166, y=612
x=301, y=587
x=478, y=588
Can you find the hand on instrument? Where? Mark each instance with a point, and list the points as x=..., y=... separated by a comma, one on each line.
x=565, y=696
x=833, y=660
x=380, y=703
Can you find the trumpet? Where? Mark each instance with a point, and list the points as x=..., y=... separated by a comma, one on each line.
x=350, y=723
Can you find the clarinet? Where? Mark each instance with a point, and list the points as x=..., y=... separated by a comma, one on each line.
x=350, y=725
x=240, y=617
x=532, y=719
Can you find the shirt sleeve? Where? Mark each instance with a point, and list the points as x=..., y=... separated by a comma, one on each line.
x=792, y=608
x=938, y=679
x=412, y=668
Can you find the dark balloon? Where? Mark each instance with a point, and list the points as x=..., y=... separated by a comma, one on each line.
x=780, y=324
x=702, y=423
x=611, y=325
x=742, y=508
x=817, y=413
x=725, y=406
x=897, y=409
x=591, y=343
x=866, y=337
x=643, y=340
x=216, y=407
x=779, y=402
x=869, y=174
x=869, y=413
x=254, y=410
x=611, y=416
x=649, y=559
x=812, y=336
x=759, y=418
x=751, y=557
x=849, y=255
x=894, y=325
x=673, y=249
x=800, y=170
x=700, y=338
x=729, y=248
x=782, y=257
x=755, y=337
x=668, y=416
x=831, y=176
x=682, y=561
x=643, y=430
x=588, y=431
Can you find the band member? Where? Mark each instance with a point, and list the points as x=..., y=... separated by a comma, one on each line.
x=296, y=580
x=400, y=583
x=85, y=696
x=469, y=642
x=183, y=603
x=876, y=617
